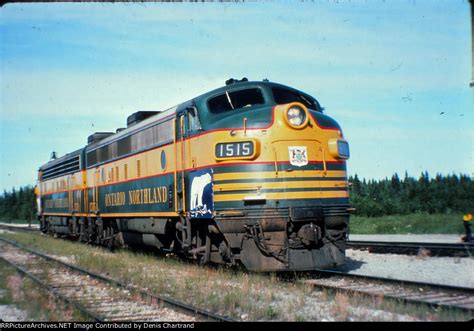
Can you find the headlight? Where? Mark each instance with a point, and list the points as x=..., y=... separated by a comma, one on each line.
x=296, y=117
x=339, y=148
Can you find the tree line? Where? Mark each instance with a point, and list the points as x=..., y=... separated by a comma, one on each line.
x=394, y=196
x=18, y=204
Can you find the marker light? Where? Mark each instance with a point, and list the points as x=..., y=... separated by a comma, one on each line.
x=339, y=148
x=343, y=149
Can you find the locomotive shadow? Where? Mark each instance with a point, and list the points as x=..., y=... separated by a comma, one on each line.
x=349, y=265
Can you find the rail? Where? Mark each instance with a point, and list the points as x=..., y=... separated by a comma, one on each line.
x=144, y=295
x=431, y=294
x=414, y=248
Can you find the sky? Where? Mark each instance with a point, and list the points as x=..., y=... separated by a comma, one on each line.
x=394, y=74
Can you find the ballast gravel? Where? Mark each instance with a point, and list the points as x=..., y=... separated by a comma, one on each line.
x=420, y=238
x=10, y=313
x=454, y=271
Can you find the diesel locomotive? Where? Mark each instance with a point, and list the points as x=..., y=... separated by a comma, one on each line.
x=251, y=173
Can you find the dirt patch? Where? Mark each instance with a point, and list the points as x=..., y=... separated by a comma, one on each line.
x=14, y=284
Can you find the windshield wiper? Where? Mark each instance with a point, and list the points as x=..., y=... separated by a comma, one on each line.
x=309, y=102
x=228, y=99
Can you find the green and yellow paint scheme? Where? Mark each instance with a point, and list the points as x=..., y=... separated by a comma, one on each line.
x=260, y=182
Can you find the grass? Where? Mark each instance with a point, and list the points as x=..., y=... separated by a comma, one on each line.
x=38, y=304
x=408, y=224
x=6, y=298
x=235, y=293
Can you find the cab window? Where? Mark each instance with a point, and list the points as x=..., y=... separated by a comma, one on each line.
x=230, y=101
x=193, y=120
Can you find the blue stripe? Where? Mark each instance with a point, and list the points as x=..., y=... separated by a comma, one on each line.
x=301, y=189
x=268, y=167
x=278, y=180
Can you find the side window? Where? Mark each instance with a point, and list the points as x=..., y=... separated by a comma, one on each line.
x=92, y=158
x=124, y=146
x=163, y=132
x=103, y=154
x=193, y=120
x=229, y=101
x=112, y=150
x=157, y=134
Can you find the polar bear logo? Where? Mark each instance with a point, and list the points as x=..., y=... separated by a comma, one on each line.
x=197, y=191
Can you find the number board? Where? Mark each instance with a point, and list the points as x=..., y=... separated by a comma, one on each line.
x=239, y=149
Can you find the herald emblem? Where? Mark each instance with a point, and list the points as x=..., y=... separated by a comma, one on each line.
x=298, y=155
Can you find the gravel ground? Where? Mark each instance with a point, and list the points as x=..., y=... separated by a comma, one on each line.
x=9, y=313
x=440, y=270
x=314, y=305
x=115, y=303
x=21, y=225
x=428, y=238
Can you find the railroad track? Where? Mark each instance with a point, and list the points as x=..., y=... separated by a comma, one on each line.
x=434, y=295
x=98, y=297
x=414, y=248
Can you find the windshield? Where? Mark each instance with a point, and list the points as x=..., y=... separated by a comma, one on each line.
x=229, y=101
x=283, y=96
